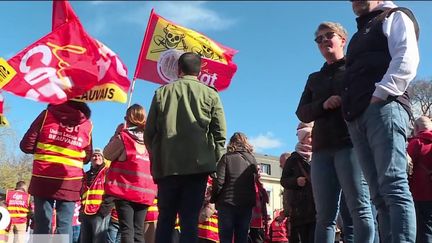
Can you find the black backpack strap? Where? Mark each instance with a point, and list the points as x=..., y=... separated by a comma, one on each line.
x=388, y=11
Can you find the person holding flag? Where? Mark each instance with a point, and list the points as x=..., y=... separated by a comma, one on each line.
x=60, y=139
x=128, y=177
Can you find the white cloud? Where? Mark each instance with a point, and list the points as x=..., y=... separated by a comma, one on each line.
x=195, y=15
x=265, y=141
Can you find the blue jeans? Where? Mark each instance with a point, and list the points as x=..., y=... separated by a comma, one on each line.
x=113, y=234
x=43, y=216
x=331, y=171
x=379, y=138
x=76, y=233
x=424, y=221
x=347, y=222
x=94, y=228
x=182, y=195
x=233, y=223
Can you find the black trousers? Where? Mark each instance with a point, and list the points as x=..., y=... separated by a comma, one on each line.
x=302, y=233
x=182, y=195
x=256, y=235
x=131, y=220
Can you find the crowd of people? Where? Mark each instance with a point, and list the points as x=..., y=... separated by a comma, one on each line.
x=167, y=177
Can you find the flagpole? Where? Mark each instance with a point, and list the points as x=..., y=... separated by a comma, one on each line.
x=131, y=92
x=138, y=62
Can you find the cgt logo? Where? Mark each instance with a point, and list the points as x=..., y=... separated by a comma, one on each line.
x=4, y=218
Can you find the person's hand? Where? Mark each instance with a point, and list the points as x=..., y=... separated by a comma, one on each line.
x=301, y=181
x=375, y=100
x=332, y=102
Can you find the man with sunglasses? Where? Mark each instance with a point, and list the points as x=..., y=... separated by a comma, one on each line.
x=333, y=166
x=382, y=59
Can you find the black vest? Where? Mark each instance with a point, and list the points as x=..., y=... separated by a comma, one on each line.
x=367, y=61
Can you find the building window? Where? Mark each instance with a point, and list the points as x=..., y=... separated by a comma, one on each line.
x=266, y=168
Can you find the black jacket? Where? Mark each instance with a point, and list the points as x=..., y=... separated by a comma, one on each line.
x=330, y=129
x=235, y=183
x=302, y=202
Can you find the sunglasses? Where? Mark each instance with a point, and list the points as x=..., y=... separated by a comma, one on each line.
x=328, y=36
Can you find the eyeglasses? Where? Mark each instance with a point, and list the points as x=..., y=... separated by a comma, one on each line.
x=328, y=36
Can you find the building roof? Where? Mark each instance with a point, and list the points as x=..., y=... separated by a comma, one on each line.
x=269, y=165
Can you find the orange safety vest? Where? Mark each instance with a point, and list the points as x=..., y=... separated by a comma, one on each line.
x=152, y=212
x=4, y=235
x=18, y=204
x=131, y=179
x=92, y=195
x=278, y=231
x=209, y=229
x=59, y=153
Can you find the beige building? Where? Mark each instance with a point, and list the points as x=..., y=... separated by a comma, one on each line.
x=270, y=177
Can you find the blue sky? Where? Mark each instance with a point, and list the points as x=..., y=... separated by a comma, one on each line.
x=276, y=55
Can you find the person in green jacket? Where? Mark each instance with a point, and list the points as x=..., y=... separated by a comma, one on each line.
x=185, y=136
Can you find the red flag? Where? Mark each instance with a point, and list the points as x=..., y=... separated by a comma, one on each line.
x=164, y=41
x=62, y=13
x=57, y=67
x=113, y=83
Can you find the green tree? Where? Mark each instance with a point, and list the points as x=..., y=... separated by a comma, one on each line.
x=13, y=166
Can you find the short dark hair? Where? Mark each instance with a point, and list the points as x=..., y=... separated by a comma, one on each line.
x=20, y=185
x=190, y=63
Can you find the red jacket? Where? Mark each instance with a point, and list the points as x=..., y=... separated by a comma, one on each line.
x=69, y=114
x=420, y=150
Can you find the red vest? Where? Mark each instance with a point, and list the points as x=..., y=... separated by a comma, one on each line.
x=209, y=229
x=75, y=218
x=92, y=196
x=278, y=231
x=152, y=212
x=114, y=215
x=257, y=217
x=60, y=151
x=18, y=204
x=131, y=179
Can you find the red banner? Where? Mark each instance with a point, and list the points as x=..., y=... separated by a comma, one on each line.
x=113, y=83
x=57, y=67
x=164, y=41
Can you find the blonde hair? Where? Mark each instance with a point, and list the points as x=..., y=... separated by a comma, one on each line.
x=238, y=142
x=336, y=27
x=422, y=123
x=136, y=115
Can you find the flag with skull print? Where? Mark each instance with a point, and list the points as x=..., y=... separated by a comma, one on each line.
x=164, y=41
